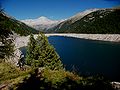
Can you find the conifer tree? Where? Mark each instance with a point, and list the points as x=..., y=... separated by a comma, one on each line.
x=41, y=54
x=30, y=51
x=47, y=55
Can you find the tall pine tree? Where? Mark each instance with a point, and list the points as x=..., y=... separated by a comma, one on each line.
x=44, y=54
x=30, y=51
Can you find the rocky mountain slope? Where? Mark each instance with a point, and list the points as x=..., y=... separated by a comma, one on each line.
x=80, y=15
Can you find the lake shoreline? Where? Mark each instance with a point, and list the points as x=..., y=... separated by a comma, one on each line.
x=21, y=41
x=98, y=37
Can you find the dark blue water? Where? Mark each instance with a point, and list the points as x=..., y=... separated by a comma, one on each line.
x=89, y=57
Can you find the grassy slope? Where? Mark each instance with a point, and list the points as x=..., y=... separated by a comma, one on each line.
x=11, y=75
x=36, y=79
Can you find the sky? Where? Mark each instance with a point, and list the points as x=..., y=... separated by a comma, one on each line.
x=53, y=9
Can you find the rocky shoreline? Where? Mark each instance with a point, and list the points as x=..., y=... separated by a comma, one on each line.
x=22, y=41
x=102, y=37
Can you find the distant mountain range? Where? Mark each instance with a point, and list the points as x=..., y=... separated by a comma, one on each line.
x=42, y=23
x=88, y=21
x=100, y=21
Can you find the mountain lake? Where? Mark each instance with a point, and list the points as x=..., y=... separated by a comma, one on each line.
x=88, y=57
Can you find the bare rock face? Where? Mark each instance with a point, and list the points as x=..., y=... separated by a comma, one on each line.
x=21, y=41
x=16, y=56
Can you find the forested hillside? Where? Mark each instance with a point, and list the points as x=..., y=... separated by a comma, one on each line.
x=99, y=22
x=15, y=25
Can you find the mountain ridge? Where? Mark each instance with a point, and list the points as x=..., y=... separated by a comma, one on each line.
x=102, y=21
x=43, y=23
x=82, y=14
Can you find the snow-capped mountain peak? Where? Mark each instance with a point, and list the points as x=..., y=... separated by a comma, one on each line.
x=43, y=18
x=42, y=22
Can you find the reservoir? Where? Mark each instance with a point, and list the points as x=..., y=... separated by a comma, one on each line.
x=88, y=57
